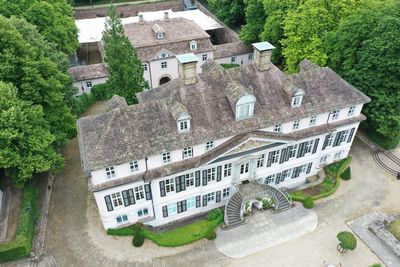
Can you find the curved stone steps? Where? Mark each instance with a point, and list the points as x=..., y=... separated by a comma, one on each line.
x=232, y=211
x=393, y=157
x=383, y=165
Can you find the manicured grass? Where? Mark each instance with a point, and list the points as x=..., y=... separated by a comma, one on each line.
x=229, y=65
x=394, y=228
x=177, y=237
x=21, y=246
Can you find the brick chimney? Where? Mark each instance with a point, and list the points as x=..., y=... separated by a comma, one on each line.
x=262, y=55
x=187, y=68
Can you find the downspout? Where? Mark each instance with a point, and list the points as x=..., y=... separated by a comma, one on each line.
x=144, y=180
x=151, y=87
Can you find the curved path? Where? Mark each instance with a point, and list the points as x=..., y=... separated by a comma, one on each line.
x=75, y=237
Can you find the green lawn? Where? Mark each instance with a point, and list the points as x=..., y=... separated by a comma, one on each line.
x=177, y=237
x=394, y=228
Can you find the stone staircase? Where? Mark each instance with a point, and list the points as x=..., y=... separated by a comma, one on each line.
x=388, y=161
x=233, y=210
x=283, y=199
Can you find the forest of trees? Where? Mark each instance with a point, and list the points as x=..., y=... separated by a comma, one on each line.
x=359, y=39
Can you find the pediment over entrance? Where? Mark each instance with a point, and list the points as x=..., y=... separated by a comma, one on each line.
x=248, y=145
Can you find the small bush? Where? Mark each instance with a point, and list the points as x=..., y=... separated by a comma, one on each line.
x=138, y=238
x=211, y=235
x=346, y=175
x=229, y=65
x=266, y=203
x=347, y=240
x=214, y=214
x=308, y=203
x=376, y=265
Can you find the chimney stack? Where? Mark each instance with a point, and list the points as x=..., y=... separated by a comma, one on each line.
x=187, y=68
x=141, y=20
x=262, y=55
x=166, y=15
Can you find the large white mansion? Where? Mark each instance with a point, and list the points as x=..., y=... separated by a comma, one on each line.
x=190, y=145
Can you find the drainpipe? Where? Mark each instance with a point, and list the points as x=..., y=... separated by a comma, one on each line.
x=144, y=180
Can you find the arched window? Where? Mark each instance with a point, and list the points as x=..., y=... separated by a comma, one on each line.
x=245, y=107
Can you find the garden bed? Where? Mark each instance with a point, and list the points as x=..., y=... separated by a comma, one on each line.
x=394, y=228
x=177, y=237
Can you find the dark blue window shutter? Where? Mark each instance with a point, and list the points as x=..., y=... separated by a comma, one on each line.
x=218, y=196
x=184, y=207
x=309, y=168
x=147, y=190
x=183, y=183
x=219, y=173
x=179, y=206
x=162, y=188
x=178, y=184
x=204, y=200
x=315, y=145
x=165, y=211
x=351, y=135
x=269, y=161
x=288, y=150
x=198, y=204
x=283, y=155
x=126, y=198
x=108, y=203
x=300, y=151
x=277, y=178
x=131, y=196
x=197, y=176
x=204, y=177
x=337, y=138
x=326, y=141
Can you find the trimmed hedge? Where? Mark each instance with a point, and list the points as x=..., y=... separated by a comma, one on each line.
x=346, y=175
x=347, y=240
x=308, y=203
x=229, y=65
x=337, y=168
x=21, y=246
x=138, y=238
x=84, y=101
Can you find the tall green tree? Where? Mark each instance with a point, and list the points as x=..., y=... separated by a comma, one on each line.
x=230, y=12
x=276, y=12
x=125, y=69
x=53, y=19
x=255, y=19
x=37, y=69
x=365, y=51
x=25, y=138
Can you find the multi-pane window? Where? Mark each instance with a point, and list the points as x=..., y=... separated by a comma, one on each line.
x=270, y=179
x=211, y=197
x=227, y=169
x=204, y=57
x=169, y=185
x=143, y=212
x=193, y=45
x=116, y=199
x=251, y=56
x=352, y=109
x=226, y=192
x=144, y=67
x=286, y=174
x=209, y=145
x=278, y=128
x=139, y=192
x=122, y=218
x=211, y=174
x=330, y=140
x=309, y=146
x=171, y=209
x=244, y=168
x=337, y=155
x=110, y=172
x=296, y=101
x=323, y=159
x=293, y=151
x=313, y=120
x=275, y=156
x=335, y=114
x=260, y=161
x=89, y=84
x=184, y=125
x=134, y=166
x=244, y=111
x=166, y=157
x=191, y=203
x=233, y=59
x=189, y=179
x=187, y=152
x=296, y=124
x=164, y=65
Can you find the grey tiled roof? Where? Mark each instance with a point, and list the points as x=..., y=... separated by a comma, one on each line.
x=231, y=49
x=117, y=102
x=87, y=72
x=148, y=128
x=178, y=32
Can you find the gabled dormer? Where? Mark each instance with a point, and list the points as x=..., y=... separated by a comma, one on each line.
x=241, y=100
x=158, y=31
x=181, y=116
x=193, y=45
x=297, y=97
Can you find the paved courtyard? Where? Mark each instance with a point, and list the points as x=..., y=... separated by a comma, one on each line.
x=76, y=238
x=264, y=230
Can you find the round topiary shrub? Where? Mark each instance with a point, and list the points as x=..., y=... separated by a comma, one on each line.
x=211, y=235
x=308, y=203
x=138, y=239
x=347, y=241
x=346, y=175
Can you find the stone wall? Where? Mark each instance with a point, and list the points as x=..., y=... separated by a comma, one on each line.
x=379, y=229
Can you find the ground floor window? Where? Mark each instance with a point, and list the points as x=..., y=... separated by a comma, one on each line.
x=143, y=212
x=122, y=218
x=225, y=192
x=323, y=159
x=211, y=197
x=270, y=179
x=191, y=203
x=337, y=155
x=172, y=209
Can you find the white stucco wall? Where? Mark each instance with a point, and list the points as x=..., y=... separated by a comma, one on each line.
x=82, y=84
x=239, y=59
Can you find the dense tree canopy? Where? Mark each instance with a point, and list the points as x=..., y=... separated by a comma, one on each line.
x=37, y=69
x=230, y=12
x=365, y=51
x=125, y=69
x=255, y=18
x=53, y=19
x=25, y=138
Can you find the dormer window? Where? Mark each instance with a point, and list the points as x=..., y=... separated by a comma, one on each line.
x=245, y=107
x=193, y=45
x=182, y=117
x=184, y=125
x=297, y=98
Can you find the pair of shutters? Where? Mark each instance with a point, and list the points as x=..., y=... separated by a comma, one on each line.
x=296, y=172
x=180, y=183
x=219, y=175
x=128, y=197
x=304, y=146
x=181, y=206
x=278, y=178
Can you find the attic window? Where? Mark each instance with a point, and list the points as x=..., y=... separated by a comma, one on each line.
x=160, y=35
x=245, y=107
x=193, y=45
x=184, y=125
x=297, y=98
